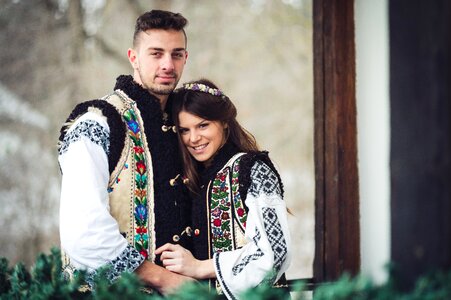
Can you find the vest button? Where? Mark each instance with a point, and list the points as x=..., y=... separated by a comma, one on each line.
x=188, y=231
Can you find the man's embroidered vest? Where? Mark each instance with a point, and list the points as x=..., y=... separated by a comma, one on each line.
x=131, y=195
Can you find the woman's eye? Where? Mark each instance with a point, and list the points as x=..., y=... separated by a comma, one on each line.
x=183, y=130
x=203, y=125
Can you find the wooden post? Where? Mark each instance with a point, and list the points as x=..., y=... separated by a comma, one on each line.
x=337, y=231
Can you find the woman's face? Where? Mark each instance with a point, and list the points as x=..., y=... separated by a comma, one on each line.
x=201, y=137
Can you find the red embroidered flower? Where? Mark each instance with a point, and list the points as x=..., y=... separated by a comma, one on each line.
x=225, y=216
x=138, y=149
x=240, y=212
x=144, y=253
x=141, y=230
x=140, y=167
x=217, y=222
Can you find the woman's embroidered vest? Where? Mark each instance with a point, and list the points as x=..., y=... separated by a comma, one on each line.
x=227, y=213
x=130, y=187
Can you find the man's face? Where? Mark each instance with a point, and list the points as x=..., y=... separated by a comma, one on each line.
x=158, y=60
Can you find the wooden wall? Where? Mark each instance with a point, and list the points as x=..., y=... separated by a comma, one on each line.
x=420, y=93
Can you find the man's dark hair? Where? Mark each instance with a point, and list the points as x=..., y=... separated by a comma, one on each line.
x=159, y=19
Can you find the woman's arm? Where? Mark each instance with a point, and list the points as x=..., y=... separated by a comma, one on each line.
x=267, y=254
x=177, y=259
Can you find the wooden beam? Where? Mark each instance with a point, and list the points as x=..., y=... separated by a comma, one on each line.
x=337, y=232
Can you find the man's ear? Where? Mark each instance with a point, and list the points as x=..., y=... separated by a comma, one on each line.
x=186, y=56
x=132, y=58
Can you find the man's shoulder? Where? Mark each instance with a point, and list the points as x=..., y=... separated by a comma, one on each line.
x=100, y=111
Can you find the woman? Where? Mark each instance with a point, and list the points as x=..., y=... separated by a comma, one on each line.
x=239, y=219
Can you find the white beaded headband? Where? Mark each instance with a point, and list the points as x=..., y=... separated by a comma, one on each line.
x=200, y=87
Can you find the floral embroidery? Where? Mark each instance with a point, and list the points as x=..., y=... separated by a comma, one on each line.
x=141, y=242
x=223, y=211
x=220, y=206
x=237, y=202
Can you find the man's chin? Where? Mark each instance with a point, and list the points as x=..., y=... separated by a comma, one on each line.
x=163, y=89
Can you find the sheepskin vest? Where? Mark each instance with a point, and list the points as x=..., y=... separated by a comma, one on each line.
x=146, y=195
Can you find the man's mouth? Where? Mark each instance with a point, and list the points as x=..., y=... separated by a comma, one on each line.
x=166, y=78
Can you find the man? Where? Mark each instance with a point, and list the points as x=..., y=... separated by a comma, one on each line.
x=121, y=194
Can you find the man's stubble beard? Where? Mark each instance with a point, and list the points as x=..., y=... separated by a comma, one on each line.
x=159, y=89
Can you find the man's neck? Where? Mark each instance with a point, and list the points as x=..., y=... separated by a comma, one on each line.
x=162, y=98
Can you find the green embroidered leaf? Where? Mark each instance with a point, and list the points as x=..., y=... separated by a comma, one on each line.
x=127, y=115
x=135, y=140
x=139, y=157
x=138, y=246
x=225, y=225
x=224, y=208
x=140, y=222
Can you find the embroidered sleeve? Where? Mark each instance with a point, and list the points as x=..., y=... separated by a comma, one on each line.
x=128, y=261
x=89, y=129
x=264, y=181
x=266, y=255
x=89, y=235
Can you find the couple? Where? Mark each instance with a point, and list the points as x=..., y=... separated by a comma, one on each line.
x=166, y=183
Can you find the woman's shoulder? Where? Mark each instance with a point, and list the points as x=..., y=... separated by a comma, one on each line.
x=258, y=174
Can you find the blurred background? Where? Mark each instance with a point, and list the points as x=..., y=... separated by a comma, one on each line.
x=57, y=53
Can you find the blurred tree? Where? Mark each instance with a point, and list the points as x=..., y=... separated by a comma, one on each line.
x=57, y=53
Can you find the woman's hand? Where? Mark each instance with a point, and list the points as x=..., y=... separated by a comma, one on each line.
x=177, y=259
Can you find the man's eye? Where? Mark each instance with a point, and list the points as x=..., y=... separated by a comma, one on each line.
x=156, y=54
x=177, y=55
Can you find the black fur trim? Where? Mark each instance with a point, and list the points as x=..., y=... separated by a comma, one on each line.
x=114, y=120
x=246, y=163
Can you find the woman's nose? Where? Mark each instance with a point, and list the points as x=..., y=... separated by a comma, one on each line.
x=194, y=137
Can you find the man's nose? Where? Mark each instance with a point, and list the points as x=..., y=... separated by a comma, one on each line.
x=167, y=63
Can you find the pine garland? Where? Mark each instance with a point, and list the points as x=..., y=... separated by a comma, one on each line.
x=45, y=281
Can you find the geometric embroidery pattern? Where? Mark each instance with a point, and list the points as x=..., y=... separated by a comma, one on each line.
x=275, y=237
x=128, y=261
x=264, y=180
x=248, y=258
x=89, y=129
